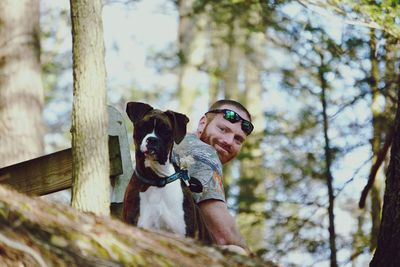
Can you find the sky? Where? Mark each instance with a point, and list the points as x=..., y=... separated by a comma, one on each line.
x=141, y=29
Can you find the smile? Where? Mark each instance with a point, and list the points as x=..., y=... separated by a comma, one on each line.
x=221, y=149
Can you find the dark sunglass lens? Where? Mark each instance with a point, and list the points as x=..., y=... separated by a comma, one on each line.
x=230, y=116
x=247, y=127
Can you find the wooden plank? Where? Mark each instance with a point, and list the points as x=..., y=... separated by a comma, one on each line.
x=40, y=176
x=52, y=172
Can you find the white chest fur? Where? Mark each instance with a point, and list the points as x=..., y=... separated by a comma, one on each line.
x=162, y=209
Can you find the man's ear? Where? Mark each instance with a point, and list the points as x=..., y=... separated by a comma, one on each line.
x=202, y=124
x=137, y=110
x=179, y=122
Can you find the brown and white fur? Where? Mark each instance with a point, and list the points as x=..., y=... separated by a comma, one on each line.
x=171, y=207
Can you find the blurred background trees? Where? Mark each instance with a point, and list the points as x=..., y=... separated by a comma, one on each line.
x=21, y=87
x=320, y=79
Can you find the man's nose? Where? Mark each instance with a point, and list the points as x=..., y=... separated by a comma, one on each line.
x=228, y=139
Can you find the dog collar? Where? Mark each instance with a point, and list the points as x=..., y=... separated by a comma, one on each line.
x=161, y=182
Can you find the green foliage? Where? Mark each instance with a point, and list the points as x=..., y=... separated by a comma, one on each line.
x=377, y=14
x=226, y=11
x=54, y=62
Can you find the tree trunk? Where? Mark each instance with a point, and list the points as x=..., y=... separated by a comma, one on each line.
x=34, y=233
x=192, y=50
x=232, y=69
x=252, y=194
x=328, y=173
x=388, y=247
x=21, y=88
x=392, y=74
x=218, y=56
x=376, y=141
x=358, y=237
x=91, y=185
x=214, y=65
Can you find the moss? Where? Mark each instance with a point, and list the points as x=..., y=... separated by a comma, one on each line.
x=87, y=245
x=163, y=262
x=127, y=258
x=58, y=241
x=99, y=250
x=137, y=260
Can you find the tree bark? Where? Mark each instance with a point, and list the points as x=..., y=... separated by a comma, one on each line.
x=328, y=173
x=232, y=70
x=388, y=247
x=377, y=123
x=192, y=51
x=34, y=232
x=21, y=88
x=358, y=237
x=91, y=185
x=252, y=193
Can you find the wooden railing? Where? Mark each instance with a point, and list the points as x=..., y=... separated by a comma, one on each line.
x=53, y=172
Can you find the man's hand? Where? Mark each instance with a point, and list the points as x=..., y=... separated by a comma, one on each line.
x=235, y=249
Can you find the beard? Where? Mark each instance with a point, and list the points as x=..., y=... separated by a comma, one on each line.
x=223, y=155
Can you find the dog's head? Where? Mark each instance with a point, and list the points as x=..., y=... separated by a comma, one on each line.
x=155, y=131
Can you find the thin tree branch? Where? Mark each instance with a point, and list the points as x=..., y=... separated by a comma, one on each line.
x=339, y=190
x=374, y=169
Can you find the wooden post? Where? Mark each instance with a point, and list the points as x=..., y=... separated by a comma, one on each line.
x=116, y=128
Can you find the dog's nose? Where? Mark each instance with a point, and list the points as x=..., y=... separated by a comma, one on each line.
x=152, y=141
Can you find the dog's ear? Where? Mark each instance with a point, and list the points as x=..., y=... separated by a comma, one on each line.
x=137, y=110
x=179, y=122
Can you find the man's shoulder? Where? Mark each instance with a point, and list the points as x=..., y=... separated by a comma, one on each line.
x=204, y=165
x=201, y=152
x=191, y=144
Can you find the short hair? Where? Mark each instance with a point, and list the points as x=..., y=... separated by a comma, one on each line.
x=234, y=103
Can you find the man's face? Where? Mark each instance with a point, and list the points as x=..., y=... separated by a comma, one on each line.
x=226, y=137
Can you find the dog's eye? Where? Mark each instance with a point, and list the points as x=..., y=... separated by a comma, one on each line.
x=164, y=132
x=167, y=132
x=161, y=127
x=146, y=126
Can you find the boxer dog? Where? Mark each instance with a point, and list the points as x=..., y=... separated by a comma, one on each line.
x=158, y=195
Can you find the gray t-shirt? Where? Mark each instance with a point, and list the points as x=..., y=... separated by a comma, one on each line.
x=205, y=166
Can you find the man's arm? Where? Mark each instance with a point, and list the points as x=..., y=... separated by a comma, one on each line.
x=220, y=223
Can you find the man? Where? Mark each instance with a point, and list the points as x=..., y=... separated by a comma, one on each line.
x=219, y=137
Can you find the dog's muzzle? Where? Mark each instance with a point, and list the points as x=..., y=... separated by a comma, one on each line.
x=152, y=145
x=155, y=149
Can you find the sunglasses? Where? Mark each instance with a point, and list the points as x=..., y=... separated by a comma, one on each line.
x=233, y=117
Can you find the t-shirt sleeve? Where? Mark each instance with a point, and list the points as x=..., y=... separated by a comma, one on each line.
x=210, y=177
x=206, y=167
